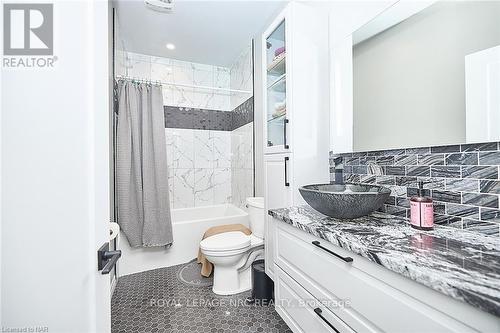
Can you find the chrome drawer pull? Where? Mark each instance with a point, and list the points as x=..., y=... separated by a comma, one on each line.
x=319, y=313
x=346, y=259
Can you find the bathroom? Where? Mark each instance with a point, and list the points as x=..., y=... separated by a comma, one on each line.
x=207, y=103
x=251, y=166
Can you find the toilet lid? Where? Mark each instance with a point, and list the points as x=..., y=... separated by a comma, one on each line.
x=232, y=240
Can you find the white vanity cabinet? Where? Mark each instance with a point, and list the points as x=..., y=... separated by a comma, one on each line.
x=295, y=91
x=278, y=194
x=320, y=287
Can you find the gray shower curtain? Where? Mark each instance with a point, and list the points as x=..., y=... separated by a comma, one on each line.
x=143, y=210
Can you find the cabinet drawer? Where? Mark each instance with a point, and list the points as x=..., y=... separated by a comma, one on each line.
x=373, y=305
x=301, y=311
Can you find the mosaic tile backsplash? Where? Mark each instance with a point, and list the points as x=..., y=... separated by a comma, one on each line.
x=463, y=180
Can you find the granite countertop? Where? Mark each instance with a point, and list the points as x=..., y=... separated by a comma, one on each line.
x=457, y=263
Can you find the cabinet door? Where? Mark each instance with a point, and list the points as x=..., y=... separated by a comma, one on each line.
x=277, y=101
x=278, y=194
x=278, y=180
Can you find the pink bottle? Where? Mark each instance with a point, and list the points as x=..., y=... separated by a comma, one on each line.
x=422, y=211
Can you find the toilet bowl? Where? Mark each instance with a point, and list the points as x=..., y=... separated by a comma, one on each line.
x=232, y=253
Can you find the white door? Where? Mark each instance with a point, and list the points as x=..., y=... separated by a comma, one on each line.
x=278, y=194
x=55, y=176
x=482, y=95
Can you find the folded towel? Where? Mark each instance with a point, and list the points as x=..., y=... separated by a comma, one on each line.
x=279, y=51
x=279, y=105
x=279, y=109
x=206, y=266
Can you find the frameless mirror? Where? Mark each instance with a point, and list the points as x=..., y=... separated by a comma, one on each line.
x=427, y=74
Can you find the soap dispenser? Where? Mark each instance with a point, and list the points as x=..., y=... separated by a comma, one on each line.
x=422, y=210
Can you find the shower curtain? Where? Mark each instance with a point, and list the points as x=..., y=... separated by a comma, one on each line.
x=143, y=209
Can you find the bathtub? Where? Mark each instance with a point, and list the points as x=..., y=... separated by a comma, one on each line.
x=188, y=226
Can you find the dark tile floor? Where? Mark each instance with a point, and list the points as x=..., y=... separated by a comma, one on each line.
x=155, y=301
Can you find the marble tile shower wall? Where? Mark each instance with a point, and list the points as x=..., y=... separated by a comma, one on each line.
x=242, y=164
x=199, y=167
x=209, y=135
x=463, y=180
x=183, y=73
x=242, y=124
x=241, y=77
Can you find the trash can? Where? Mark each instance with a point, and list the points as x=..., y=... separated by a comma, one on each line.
x=262, y=285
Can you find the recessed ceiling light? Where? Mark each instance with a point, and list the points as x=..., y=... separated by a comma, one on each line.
x=165, y=6
x=170, y=46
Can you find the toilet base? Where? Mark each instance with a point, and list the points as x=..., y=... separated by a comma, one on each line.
x=228, y=281
x=230, y=292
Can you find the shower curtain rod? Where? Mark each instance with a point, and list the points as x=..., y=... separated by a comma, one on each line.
x=183, y=85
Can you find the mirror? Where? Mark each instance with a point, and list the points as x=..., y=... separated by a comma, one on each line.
x=427, y=74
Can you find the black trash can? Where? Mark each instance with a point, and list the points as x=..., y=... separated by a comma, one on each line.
x=262, y=285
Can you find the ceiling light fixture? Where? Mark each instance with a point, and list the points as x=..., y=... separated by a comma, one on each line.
x=170, y=46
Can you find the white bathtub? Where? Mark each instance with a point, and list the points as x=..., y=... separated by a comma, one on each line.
x=188, y=226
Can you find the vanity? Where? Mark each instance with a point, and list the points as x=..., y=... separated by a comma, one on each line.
x=405, y=105
x=377, y=274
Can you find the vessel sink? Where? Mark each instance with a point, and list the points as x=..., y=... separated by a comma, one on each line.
x=346, y=201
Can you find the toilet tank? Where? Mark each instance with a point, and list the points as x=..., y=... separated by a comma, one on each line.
x=255, y=207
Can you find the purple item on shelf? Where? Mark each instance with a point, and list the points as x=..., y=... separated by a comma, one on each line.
x=279, y=51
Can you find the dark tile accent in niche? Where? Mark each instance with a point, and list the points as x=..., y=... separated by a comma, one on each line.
x=204, y=119
x=463, y=180
x=190, y=118
x=243, y=114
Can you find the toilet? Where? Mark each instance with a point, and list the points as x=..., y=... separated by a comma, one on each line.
x=232, y=253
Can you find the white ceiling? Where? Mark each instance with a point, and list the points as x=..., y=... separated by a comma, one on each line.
x=208, y=32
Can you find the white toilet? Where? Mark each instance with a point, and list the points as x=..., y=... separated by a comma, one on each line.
x=232, y=253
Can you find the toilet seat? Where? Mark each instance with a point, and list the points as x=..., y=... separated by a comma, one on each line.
x=226, y=242
x=255, y=241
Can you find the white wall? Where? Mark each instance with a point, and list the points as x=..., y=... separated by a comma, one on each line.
x=55, y=206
